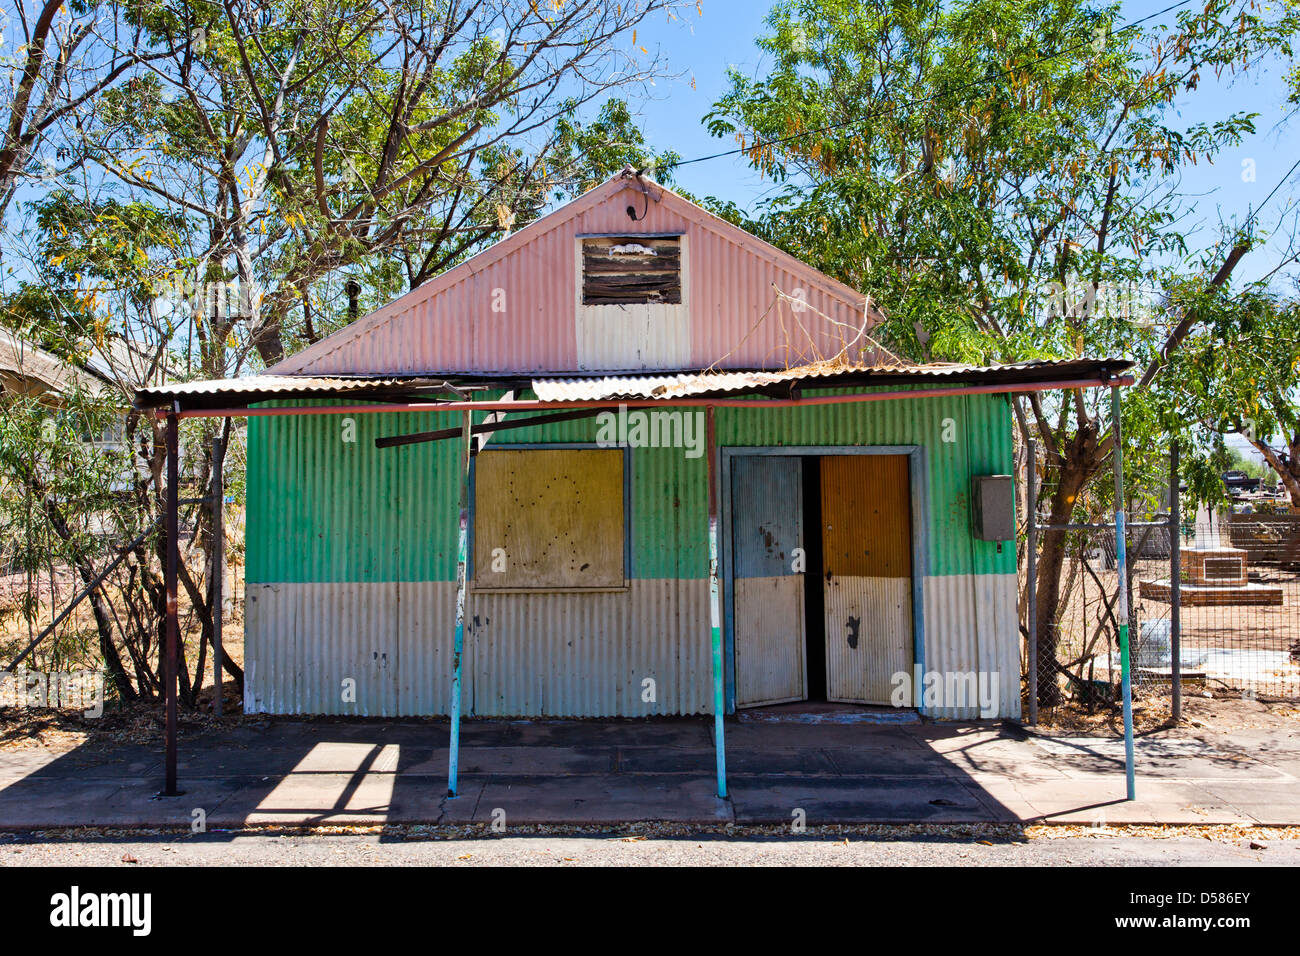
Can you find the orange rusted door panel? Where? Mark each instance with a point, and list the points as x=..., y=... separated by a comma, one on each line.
x=867, y=563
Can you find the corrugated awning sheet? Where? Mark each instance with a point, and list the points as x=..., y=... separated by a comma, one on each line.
x=824, y=375
x=664, y=386
x=258, y=388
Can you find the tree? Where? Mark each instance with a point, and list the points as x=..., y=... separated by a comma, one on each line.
x=307, y=137
x=94, y=302
x=250, y=159
x=68, y=54
x=1002, y=178
x=1240, y=374
x=57, y=485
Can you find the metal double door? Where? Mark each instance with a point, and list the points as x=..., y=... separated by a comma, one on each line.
x=865, y=574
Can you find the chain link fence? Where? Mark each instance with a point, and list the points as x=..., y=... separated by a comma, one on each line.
x=1241, y=601
x=1234, y=629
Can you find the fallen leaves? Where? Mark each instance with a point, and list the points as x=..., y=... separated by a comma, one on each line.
x=1225, y=832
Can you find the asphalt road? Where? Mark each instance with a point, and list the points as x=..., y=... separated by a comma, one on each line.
x=262, y=850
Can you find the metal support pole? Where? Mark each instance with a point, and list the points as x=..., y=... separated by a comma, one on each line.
x=1121, y=570
x=462, y=539
x=715, y=606
x=218, y=567
x=1032, y=574
x=172, y=642
x=1175, y=583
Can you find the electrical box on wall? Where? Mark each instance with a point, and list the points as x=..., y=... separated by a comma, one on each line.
x=993, y=507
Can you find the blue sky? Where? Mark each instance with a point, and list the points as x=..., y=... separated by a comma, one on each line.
x=701, y=48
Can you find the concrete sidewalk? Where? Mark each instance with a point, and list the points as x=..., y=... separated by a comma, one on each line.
x=597, y=772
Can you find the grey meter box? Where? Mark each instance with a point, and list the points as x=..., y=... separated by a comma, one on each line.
x=993, y=507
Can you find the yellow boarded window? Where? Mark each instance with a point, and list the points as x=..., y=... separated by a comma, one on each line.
x=549, y=519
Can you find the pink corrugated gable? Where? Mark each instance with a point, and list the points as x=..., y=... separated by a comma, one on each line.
x=448, y=326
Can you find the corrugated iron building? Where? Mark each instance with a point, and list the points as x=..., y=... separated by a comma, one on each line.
x=848, y=553
x=351, y=565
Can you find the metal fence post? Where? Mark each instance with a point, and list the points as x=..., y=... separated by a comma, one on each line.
x=1032, y=575
x=1122, y=586
x=1175, y=583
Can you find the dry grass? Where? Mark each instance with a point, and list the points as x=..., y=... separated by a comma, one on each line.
x=66, y=729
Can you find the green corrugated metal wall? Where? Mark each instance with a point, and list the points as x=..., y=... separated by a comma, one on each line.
x=322, y=508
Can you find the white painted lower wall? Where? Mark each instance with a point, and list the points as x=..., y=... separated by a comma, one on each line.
x=573, y=655
x=561, y=654
x=869, y=636
x=768, y=623
x=972, y=627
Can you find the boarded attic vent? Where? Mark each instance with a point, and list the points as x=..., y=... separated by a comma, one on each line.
x=630, y=270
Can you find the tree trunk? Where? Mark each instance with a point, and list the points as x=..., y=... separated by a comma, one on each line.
x=1287, y=466
x=1078, y=464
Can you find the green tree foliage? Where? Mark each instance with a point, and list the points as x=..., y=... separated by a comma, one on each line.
x=222, y=170
x=56, y=479
x=1240, y=374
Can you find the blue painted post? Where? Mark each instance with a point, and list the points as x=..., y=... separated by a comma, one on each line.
x=715, y=607
x=1031, y=558
x=1121, y=571
x=461, y=558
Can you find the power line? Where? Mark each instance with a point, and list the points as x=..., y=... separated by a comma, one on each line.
x=1272, y=192
x=1255, y=212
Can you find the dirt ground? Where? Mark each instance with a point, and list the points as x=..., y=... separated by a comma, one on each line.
x=661, y=845
x=1247, y=626
x=74, y=645
x=65, y=729
x=1213, y=708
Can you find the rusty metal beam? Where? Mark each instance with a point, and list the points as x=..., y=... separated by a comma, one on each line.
x=441, y=434
x=171, y=644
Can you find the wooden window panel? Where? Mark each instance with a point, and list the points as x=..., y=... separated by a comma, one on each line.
x=631, y=270
x=557, y=514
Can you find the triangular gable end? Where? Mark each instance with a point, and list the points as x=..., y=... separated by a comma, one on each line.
x=540, y=301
